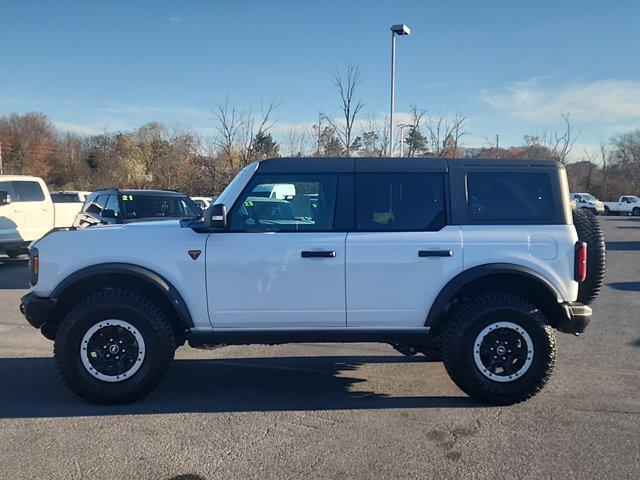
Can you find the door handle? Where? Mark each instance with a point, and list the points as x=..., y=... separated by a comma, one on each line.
x=435, y=253
x=318, y=254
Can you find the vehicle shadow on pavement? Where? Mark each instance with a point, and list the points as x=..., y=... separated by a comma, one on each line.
x=31, y=388
x=626, y=286
x=623, y=245
x=13, y=273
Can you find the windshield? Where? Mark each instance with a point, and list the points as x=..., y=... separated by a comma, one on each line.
x=588, y=196
x=136, y=206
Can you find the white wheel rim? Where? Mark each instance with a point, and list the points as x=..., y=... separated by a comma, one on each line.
x=483, y=368
x=84, y=354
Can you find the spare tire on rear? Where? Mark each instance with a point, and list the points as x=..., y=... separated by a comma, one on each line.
x=590, y=232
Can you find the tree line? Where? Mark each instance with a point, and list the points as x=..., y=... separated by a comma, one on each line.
x=159, y=156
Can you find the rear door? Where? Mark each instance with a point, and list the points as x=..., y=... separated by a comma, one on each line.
x=37, y=207
x=280, y=264
x=402, y=251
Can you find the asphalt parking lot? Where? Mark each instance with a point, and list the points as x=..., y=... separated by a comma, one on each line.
x=332, y=411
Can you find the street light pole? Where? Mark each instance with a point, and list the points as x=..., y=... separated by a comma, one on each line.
x=393, y=81
x=399, y=29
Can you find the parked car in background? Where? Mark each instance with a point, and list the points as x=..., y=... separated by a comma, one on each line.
x=69, y=196
x=27, y=212
x=629, y=204
x=204, y=202
x=113, y=205
x=588, y=202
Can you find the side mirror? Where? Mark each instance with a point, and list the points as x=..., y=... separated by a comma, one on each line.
x=5, y=198
x=216, y=216
x=108, y=213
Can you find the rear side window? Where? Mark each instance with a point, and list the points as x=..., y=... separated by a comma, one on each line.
x=28, y=192
x=400, y=202
x=503, y=196
x=64, y=197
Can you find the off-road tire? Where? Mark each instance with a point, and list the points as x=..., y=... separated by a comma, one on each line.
x=590, y=231
x=129, y=306
x=635, y=212
x=460, y=333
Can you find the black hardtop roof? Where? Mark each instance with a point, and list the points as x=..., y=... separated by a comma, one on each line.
x=388, y=164
x=138, y=191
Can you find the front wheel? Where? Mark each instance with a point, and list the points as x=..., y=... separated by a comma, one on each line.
x=499, y=349
x=635, y=212
x=114, y=347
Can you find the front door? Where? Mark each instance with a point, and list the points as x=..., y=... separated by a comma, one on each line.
x=279, y=264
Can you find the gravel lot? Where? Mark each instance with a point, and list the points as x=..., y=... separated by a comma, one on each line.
x=332, y=411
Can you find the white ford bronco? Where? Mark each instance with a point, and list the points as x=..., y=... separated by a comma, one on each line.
x=474, y=262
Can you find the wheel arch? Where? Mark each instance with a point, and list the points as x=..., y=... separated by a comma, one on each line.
x=120, y=275
x=494, y=277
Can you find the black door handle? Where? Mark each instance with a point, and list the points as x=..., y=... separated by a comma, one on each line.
x=318, y=254
x=435, y=253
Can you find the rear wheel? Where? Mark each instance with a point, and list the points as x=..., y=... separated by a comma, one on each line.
x=499, y=349
x=114, y=347
x=636, y=211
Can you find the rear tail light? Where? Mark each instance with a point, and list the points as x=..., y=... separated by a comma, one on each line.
x=581, y=262
x=34, y=265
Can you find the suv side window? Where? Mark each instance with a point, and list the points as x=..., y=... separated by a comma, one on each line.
x=88, y=202
x=97, y=205
x=509, y=196
x=28, y=191
x=112, y=204
x=400, y=202
x=7, y=187
x=286, y=203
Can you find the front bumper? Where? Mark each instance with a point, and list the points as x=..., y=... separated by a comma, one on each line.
x=36, y=309
x=576, y=318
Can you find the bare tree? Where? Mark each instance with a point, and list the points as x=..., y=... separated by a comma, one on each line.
x=297, y=141
x=445, y=134
x=346, y=82
x=416, y=142
x=229, y=122
x=253, y=127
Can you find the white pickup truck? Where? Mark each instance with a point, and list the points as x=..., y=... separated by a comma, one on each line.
x=27, y=212
x=629, y=204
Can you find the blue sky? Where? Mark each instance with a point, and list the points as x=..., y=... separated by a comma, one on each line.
x=510, y=66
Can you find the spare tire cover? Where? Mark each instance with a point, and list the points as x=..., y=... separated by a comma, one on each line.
x=590, y=231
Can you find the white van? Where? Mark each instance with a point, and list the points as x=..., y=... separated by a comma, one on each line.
x=27, y=212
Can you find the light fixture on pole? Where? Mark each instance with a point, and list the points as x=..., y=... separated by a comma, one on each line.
x=400, y=29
